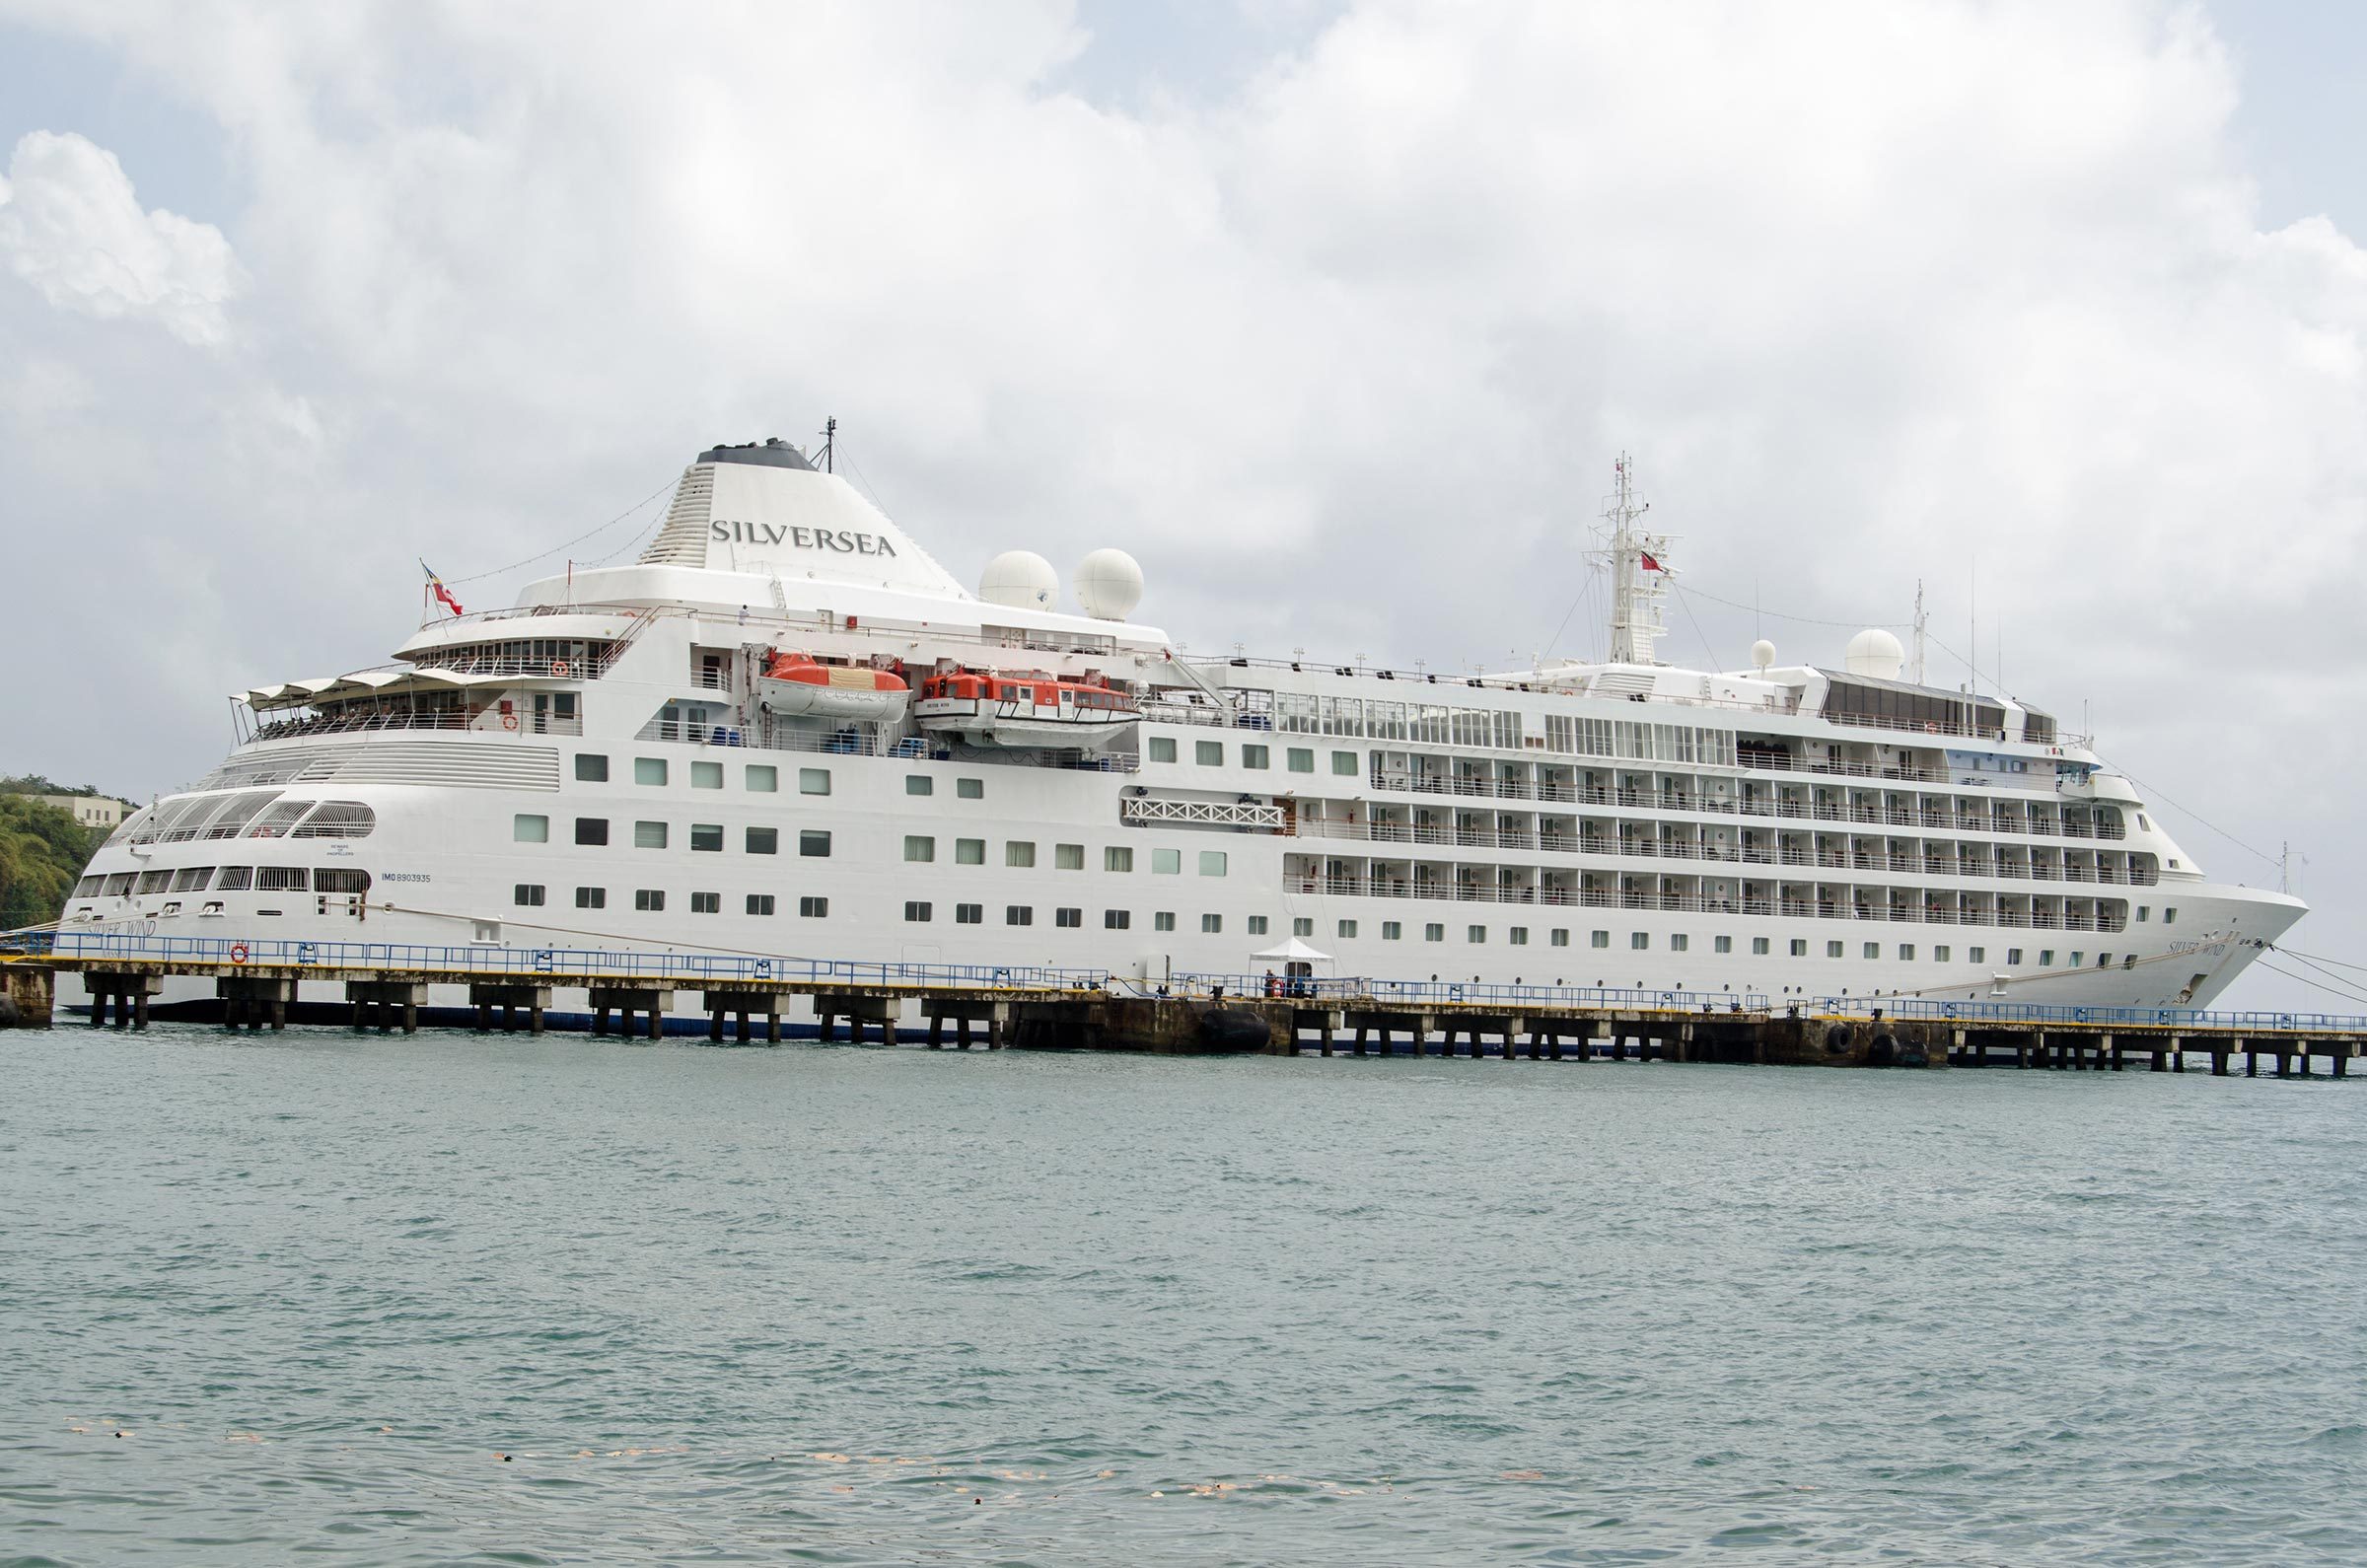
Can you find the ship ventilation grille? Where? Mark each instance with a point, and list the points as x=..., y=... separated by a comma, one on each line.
x=682, y=541
x=449, y=764
x=1621, y=684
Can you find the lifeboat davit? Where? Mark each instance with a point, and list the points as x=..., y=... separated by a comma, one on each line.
x=1030, y=711
x=796, y=686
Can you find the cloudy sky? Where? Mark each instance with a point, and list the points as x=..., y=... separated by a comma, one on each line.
x=1334, y=314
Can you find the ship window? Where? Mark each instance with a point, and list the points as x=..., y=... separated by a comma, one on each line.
x=526, y=895
x=1256, y=925
x=591, y=830
x=1722, y=943
x=969, y=852
x=2045, y=958
x=1873, y=950
x=649, y=771
x=2143, y=825
x=2104, y=960
x=280, y=878
x=275, y=822
x=1344, y=764
x=590, y=767
x=154, y=881
x=1302, y=927
x=1212, y=862
x=1798, y=947
x=919, y=848
x=120, y=883
x=1637, y=941
x=763, y=840
x=1346, y=929
x=813, y=781
x=1680, y=942
x=89, y=887
x=813, y=908
x=1518, y=935
x=1474, y=933
x=1561, y=937
x=1434, y=932
x=759, y=903
x=233, y=878
x=706, y=837
x=764, y=778
x=968, y=915
x=1166, y=862
x=2144, y=911
x=340, y=820
x=706, y=903
x=1253, y=756
x=1163, y=748
x=648, y=836
x=649, y=899
x=1907, y=950
x=1210, y=924
x=920, y=784
x=1164, y=920
x=1017, y=915
x=814, y=842
x=1599, y=938
x=917, y=911
x=969, y=789
x=1832, y=950
x=707, y=775
x=1758, y=947
x=2170, y=914
x=1300, y=758
x=1117, y=919
x=591, y=897
x=1068, y=857
x=1208, y=753
x=1019, y=852
x=2078, y=959
x=190, y=878
x=1391, y=930
x=1117, y=858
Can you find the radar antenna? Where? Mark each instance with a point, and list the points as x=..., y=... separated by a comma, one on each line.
x=1639, y=573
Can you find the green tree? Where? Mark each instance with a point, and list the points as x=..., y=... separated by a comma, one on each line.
x=42, y=850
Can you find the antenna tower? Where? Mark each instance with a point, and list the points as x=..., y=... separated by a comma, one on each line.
x=1639, y=574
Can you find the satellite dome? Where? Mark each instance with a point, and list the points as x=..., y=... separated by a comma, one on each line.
x=1109, y=585
x=1876, y=653
x=1021, y=579
x=1762, y=654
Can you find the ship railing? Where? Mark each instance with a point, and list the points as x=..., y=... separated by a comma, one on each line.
x=1359, y=988
x=2188, y=1020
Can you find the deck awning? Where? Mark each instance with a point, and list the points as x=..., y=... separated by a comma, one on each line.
x=394, y=682
x=1294, y=952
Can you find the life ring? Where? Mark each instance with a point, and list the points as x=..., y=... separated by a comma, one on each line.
x=509, y=721
x=558, y=667
x=238, y=953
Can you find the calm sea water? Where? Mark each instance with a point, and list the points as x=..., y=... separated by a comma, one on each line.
x=453, y=1299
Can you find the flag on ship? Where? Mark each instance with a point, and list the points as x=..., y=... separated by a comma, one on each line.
x=1650, y=565
x=435, y=586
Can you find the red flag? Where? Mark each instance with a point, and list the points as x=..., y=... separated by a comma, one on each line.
x=1650, y=565
x=435, y=586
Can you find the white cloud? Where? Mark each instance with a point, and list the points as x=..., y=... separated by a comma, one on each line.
x=71, y=226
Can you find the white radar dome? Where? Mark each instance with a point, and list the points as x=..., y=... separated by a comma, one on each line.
x=1762, y=655
x=1876, y=653
x=1109, y=585
x=1021, y=579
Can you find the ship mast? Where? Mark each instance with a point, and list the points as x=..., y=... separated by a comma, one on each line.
x=1639, y=573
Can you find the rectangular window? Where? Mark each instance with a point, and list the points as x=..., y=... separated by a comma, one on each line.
x=526, y=828
x=1301, y=759
x=649, y=899
x=1253, y=756
x=968, y=915
x=919, y=848
x=1680, y=942
x=591, y=897
x=1474, y=933
x=814, y=908
x=763, y=840
x=1561, y=936
x=1019, y=852
x=649, y=771
x=1344, y=764
x=1208, y=753
x=2170, y=917
x=1391, y=930
x=813, y=781
x=1598, y=938
x=1256, y=925
x=814, y=842
x=1068, y=857
x=1722, y=943
x=1166, y=862
x=707, y=903
x=917, y=911
x=233, y=878
x=1873, y=950
x=1942, y=953
x=1798, y=947
x=1347, y=930
x=1302, y=927
x=1210, y=925
x=1518, y=935
x=707, y=775
x=763, y=779
x=1116, y=858
x=1164, y=920
x=2013, y=958
x=526, y=895
x=1117, y=919
x=759, y=903
x=969, y=852
x=648, y=836
x=1907, y=950
x=1640, y=940
x=707, y=838
x=1163, y=748
x=1758, y=945
x=1068, y=920
x=1434, y=932
x=591, y=830
x=920, y=784
x=2144, y=912
x=969, y=789
x=1832, y=950
x=591, y=768
x=189, y=879
x=2045, y=958
x=1212, y=862
x=1017, y=915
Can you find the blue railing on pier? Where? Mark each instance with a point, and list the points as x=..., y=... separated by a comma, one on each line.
x=2024, y=1014
x=1462, y=993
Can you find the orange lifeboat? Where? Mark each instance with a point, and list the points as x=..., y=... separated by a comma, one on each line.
x=798, y=685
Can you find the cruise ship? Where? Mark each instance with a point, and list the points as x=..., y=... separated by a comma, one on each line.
x=787, y=729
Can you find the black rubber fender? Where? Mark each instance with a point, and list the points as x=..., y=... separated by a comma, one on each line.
x=1884, y=1050
x=1836, y=1040
x=1233, y=1028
